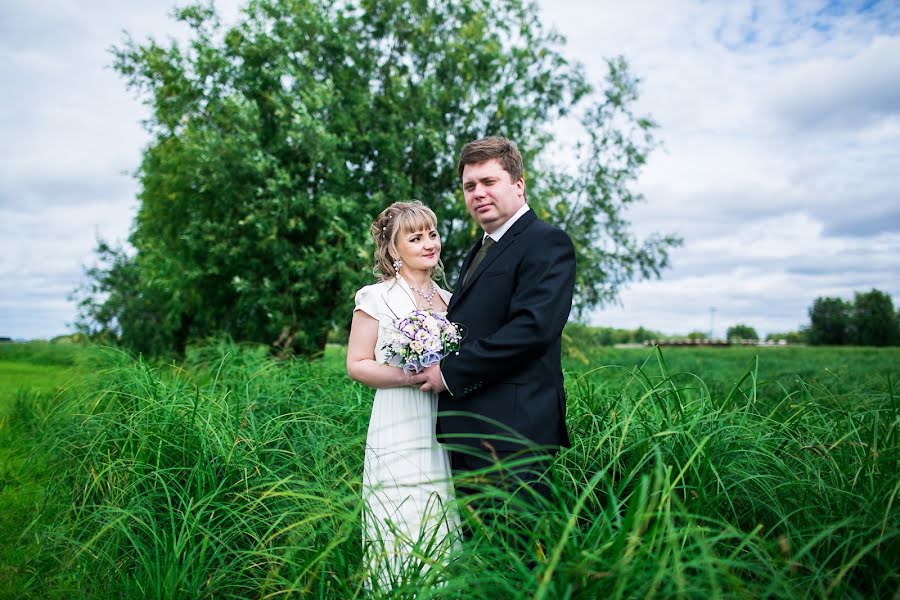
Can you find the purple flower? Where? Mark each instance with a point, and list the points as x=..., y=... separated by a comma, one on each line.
x=422, y=338
x=408, y=329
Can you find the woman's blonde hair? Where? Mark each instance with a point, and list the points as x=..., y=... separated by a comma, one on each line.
x=399, y=217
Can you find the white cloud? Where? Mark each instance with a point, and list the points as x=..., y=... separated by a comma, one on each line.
x=781, y=130
x=70, y=138
x=840, y=92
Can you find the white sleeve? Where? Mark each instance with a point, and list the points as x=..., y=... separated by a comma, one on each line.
x=367, y=302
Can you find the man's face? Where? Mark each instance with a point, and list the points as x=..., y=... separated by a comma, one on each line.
x=492, y=197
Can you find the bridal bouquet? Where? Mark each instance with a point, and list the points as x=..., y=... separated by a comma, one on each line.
x=420, y=339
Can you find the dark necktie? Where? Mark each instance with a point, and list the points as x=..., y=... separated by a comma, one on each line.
x=482, y=252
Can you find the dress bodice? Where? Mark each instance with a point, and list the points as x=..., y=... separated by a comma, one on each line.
x=388, y=301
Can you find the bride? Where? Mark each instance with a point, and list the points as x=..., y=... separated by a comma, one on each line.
x=407, y=520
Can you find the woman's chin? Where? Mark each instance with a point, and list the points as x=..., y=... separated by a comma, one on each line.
x=425, y=265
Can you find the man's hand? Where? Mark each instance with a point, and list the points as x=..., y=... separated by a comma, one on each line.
x=430, y=379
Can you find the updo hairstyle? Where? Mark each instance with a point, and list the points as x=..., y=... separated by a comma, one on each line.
x=399, y=217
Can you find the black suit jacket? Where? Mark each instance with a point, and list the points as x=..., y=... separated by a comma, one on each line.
x=507, y=376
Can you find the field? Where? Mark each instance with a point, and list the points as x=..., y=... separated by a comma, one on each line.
x=718, y=473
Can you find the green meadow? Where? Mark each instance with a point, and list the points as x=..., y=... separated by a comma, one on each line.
x=719, y=473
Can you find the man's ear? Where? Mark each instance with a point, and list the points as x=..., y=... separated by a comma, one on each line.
x=520, y=184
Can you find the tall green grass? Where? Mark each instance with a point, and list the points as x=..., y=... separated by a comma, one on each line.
x=31, y=374
x=234, y=475
x=33, y=367
x=44, y=353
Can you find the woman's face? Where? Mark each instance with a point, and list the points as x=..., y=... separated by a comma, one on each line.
x=419, y=250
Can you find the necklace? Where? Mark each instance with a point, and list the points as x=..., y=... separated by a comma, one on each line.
x=426, y=296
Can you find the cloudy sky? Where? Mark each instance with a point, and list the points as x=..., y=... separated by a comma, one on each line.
x=780, y=123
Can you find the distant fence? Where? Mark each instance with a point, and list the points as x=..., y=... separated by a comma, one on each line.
x=714, y=343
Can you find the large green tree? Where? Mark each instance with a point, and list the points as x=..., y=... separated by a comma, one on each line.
x=829, y=322
x=276, y=141
x=869, y=320
x=874, y=321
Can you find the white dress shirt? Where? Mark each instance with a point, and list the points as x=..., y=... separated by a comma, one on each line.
x=506, y=226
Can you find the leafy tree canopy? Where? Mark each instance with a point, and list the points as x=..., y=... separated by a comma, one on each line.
x=276, y=141
x=829, y=321
x=874, y=321
x=741, y=332
x=869, y=320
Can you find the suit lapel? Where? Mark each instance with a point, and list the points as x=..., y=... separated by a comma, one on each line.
x=508, y=239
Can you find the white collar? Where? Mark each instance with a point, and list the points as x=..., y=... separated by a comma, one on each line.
x=506, y=226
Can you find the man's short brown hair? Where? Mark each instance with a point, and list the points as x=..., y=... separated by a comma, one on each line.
x=489, y=148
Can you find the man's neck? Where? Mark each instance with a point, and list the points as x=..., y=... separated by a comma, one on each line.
x=498, y=232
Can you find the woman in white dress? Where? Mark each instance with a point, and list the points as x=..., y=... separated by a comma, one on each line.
x=408, y=524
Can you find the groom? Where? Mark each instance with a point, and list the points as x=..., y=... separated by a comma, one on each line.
x=503, y=391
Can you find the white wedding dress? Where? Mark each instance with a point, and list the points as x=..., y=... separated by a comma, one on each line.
x=407, y=521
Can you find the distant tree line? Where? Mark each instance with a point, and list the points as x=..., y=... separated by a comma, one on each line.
x=791, y=337
x=588, y=336
x=869, y=320
x=741, y=332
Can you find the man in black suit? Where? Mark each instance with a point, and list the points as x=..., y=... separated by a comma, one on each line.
x=503, y=391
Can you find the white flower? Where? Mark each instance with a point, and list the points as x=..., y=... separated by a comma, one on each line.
x=421, y=338
x=432, y=325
